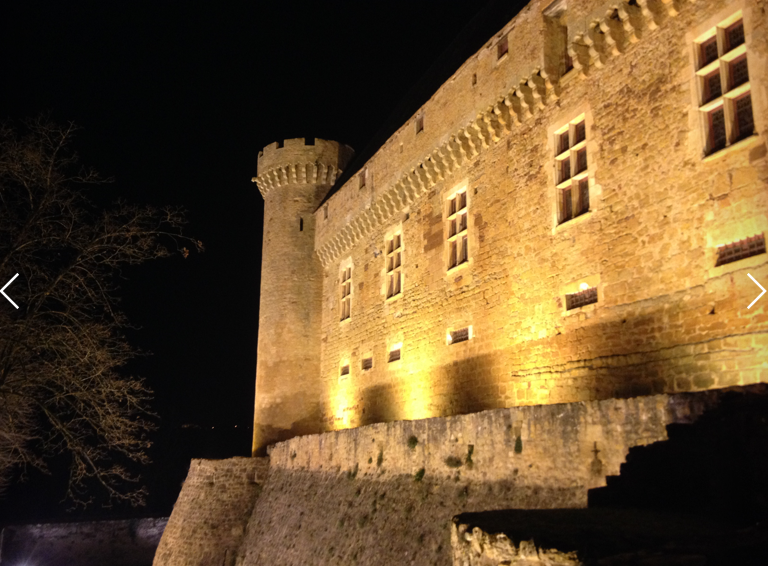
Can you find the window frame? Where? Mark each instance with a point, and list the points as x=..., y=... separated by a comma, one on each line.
x=728, y=56
x=572, y=169
x=345, y=293
x=393, y=265
x=457, y=228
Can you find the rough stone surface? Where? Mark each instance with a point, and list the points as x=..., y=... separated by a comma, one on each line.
x=96, y=543
x=602, y=537
x=385, y=494
x=211, y=513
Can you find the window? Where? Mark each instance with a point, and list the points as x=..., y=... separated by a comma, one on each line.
x=363, y=177
x=740, y=250
x=457, y=229
x=725, y=97
x=582, y=298
x=346, y=293
x=502, y=47
x=460, y=335
x=325, y=212
x=367, y=363
x=419, y=125
x=571, y=170
x=344, y=370
x=394, y=353
x=394, y=265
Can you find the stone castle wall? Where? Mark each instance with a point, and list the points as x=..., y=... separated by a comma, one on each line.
x=666, y=320
x=209, y=518
x=385, y=494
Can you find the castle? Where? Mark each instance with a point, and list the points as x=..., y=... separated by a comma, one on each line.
x=571, y=216
x=572, y=223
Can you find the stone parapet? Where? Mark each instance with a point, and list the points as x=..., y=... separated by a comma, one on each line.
x=301, y=161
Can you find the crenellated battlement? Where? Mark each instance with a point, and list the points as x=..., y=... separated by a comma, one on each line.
x=301, y=161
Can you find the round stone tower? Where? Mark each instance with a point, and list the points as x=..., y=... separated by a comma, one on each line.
x=293, y=177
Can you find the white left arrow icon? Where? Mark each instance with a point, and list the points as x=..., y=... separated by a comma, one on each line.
x=2, y=291
x=750, y=304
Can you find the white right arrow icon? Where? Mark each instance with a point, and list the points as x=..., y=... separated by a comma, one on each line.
x=2, y=291
x=756, y=283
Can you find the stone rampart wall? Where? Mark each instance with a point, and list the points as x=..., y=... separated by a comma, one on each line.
x=211, y=513
x=385, y=494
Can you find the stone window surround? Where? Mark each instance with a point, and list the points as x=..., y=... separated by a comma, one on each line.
x=697, y=144
x=392, y=346
x=568, y=159
x=344, y=363
x=727, y=96
x=345, y=294
x=454, y=327
x=595, y=190
x=385, y=274
x=574, y=286
x=462, y=187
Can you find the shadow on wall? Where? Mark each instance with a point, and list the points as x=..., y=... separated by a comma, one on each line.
x=461, y=387
x=716, y=467
x=379, y=405
x=311, y=423
x=471, y=385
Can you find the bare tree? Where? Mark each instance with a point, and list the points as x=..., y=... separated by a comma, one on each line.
x=62, y=385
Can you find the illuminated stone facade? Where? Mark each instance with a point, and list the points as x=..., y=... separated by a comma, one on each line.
x=563, y=209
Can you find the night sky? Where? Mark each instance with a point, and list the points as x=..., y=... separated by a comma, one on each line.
x=175, y=100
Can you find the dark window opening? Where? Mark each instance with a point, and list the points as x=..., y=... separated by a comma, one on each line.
x=567, y=205
x=742, y=249
x=367, y=364
x=419, y=123
x=583, y=196
x=717, y=130
x=474, y=79
x=460, y=335
x=567, y=59
x=394, y=355
x=745, y=123
x=581, y=161
x=708, y=51
x=502, y=48
x=580, y=132
x=739, y=73
x=712, y=87
x=301, y=224
x=735, y=35
x=581, y=299
x=345, y=370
